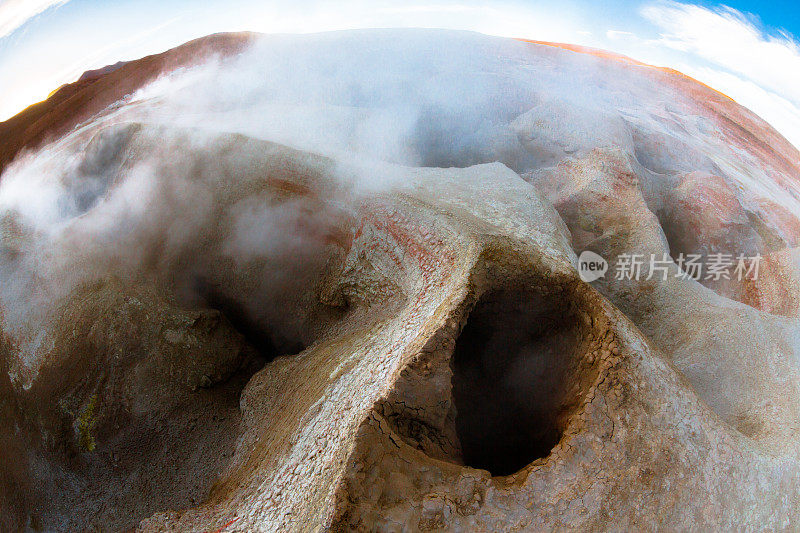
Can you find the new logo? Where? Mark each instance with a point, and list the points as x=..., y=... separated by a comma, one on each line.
x=591, y=266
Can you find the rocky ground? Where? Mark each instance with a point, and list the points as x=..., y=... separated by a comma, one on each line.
x=330, y=282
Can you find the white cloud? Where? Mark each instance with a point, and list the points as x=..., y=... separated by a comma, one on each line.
x=727, y=38
x=726, y=50
x=619, y=34
x=15, y=13
x=442, y=8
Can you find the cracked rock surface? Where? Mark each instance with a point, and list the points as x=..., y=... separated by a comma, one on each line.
x=375, y=322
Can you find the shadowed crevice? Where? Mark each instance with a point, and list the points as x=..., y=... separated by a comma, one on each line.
x=511, y=368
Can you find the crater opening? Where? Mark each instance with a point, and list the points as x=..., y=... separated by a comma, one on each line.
x=515, y=377
x=255, y=334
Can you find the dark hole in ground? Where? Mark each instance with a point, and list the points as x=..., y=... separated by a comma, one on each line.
x=511, y=368
x=256, y=335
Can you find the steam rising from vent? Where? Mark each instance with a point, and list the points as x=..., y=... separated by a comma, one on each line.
x=407, y=100
x=456, y=373
x=145, y=189
x=217, y=220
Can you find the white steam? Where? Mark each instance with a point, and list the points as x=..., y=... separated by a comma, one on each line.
x=172, y=184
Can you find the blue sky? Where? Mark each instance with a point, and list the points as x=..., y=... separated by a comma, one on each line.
x=774, y=16
x=746, y=49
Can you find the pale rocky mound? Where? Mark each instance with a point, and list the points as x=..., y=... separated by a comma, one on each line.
x=331, y=285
